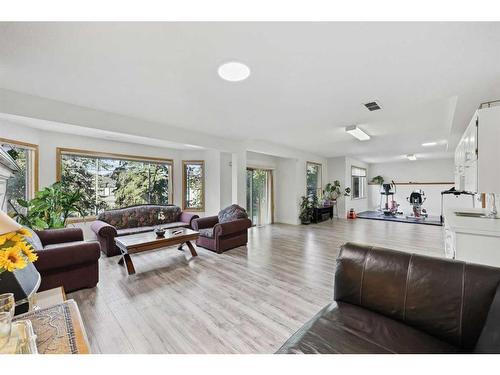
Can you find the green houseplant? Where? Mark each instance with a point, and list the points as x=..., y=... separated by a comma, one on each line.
x=333, y=191
x=306, y=209
x=50, y=208
x=379, y=180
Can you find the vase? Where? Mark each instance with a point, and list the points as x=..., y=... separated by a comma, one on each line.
x=23, y=283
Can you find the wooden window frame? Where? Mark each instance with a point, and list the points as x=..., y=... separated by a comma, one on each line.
x=36, y=161
x=60, y=151
x=320, y=187
x=184, y=185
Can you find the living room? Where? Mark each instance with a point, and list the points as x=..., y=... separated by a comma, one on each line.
x=249, y=188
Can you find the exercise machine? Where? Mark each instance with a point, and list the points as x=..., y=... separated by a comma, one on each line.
x=416, y=200
x=390, y=207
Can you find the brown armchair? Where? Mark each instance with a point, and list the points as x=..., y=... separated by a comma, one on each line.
x=65, y=259
x=227, y=230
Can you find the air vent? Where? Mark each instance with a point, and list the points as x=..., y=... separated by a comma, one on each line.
x=372, y=106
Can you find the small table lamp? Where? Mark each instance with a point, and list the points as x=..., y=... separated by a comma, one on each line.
x=7, y=224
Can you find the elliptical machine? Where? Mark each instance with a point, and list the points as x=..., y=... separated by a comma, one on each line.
x=390, y=208
x=416, y=200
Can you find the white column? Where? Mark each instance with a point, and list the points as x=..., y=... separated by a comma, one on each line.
x=239, y=174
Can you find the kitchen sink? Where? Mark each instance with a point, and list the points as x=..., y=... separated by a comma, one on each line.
x=471, y=214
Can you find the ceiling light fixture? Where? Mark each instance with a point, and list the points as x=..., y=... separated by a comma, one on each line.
x=429, y=144
x=357, y=133
x=411, y=157
x=234, y=71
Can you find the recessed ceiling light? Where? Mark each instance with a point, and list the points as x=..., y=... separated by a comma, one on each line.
x=429, y=144
x=234, y=71
x=357, y=133
x=411, y=157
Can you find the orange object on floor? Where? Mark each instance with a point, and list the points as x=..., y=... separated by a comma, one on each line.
x=351, y=214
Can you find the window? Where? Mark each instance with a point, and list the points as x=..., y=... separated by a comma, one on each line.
x=313, y=179
x=108, y=181
x=193, y=185
x=24, y=184
x=358, y=182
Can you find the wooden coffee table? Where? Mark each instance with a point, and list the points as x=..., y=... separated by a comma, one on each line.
x=137, y=243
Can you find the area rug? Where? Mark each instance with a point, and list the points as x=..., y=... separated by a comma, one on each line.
x=376, y=215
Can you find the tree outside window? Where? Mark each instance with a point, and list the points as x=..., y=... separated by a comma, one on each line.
x=313, y=179
x=193, y=185
x=115, y=182
x=23, y=184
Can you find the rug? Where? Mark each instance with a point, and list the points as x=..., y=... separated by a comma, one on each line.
x=376, y=215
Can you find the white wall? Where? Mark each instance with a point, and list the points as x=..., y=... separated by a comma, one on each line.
x=339, y=168
x=440, y=170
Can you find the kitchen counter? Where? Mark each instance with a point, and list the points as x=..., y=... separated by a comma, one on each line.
x=472, y=239
x=472, y=225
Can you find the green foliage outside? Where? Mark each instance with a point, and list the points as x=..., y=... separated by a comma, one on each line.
x=312, y=179
x=16, y=187
x=194, y=186
x=110, y=183
x=257, y=193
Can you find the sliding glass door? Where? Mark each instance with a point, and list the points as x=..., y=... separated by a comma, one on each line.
x=260, y=196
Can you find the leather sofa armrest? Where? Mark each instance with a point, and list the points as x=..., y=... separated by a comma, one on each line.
x=66, y=256
x=57, y=236
x=235, y=226
x=205, y=222
x=188, y=218
x=103, y=229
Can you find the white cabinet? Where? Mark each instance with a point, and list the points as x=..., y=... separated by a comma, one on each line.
x=473, y=240
x=477, y=156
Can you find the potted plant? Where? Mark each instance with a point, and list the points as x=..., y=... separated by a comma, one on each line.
x=333, y=191
x=50, y=208
x=379, y=180
x=306, y=210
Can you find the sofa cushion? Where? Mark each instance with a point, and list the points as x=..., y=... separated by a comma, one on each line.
x=34, y=240
x=346, y=328
x=231, y=213
x=140, y=216
x=207, y=232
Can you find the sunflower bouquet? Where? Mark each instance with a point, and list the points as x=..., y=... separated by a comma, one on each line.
x=15, y=252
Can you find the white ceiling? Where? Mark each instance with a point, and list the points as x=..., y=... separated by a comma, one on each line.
x=308, y=80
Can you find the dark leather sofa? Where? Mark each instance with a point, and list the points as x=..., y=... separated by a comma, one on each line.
x=227, y=230
x=393, y=302
x=65, y=259
x=136, y=219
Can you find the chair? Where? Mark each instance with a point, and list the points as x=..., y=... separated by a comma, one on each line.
x=65, y=259
x=227, y=230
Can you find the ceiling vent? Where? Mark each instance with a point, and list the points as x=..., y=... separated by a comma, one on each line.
x=372, y=106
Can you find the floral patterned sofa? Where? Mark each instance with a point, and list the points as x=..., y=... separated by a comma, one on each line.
x=136, y=219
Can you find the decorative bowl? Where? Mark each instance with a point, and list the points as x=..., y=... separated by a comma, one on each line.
x=160, y=232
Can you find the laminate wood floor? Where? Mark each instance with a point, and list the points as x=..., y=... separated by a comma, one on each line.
x=247, y=300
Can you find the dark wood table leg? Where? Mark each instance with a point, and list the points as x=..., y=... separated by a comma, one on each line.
x=191, y=248
x=180, y=246
x=129, y=264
